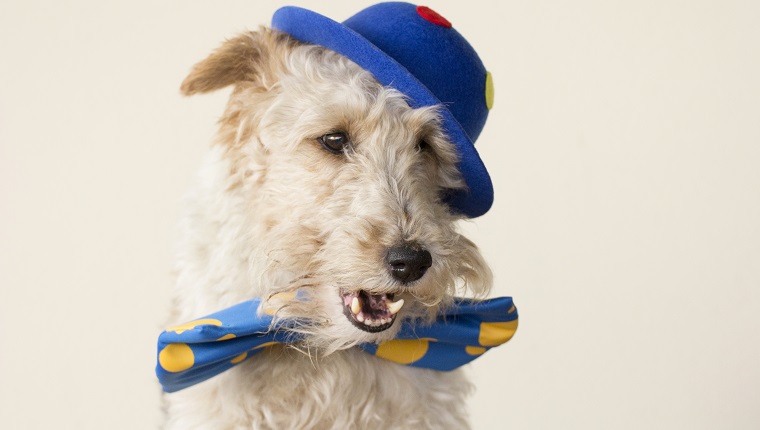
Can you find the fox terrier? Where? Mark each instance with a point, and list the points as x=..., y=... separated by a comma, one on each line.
x=343, y=162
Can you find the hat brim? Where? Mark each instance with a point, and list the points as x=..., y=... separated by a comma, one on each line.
x=311, y=27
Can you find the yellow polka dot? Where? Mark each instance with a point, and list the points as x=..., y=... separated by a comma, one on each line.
x=474, y=350
x=512, y=309
x=193, y=324
x=239, y=358
x=403, y=351
x=276, y=301
x=176, y=357
x=496, y=333
x=227, y=336
x=489, y=90
x=284, y=296
x=266, y=344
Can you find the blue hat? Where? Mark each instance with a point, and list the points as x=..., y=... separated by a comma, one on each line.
x=416, y=51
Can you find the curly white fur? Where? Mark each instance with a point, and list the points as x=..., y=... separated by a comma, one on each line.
x=273, y=212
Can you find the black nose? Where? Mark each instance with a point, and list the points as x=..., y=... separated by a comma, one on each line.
x=408, y=264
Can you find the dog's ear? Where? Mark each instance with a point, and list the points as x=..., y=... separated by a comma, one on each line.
x=248, y=57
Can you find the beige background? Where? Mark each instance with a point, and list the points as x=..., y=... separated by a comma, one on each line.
x=624, y=146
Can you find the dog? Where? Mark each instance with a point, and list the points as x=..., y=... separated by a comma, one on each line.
x=326, y=182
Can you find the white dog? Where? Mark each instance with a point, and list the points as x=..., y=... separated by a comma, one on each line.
x=326, y=182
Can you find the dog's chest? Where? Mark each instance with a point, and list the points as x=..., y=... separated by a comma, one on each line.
x=349, y=389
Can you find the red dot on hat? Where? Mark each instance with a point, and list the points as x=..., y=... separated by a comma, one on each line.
x=433, y=16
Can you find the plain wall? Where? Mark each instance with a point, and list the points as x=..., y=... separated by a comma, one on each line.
x=624, y=146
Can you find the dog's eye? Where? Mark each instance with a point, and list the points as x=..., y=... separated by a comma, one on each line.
x=335, y=143
x=422, y=146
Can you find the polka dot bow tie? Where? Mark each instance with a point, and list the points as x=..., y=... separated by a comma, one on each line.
x=193, y=352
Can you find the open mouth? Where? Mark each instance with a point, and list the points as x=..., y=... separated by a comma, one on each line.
x=370, y=312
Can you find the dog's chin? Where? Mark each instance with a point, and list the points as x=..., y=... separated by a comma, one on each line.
x=370, y=312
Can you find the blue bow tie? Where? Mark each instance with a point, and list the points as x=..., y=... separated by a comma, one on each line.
x=193, y=352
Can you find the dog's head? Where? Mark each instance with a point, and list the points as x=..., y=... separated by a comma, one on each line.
x=342, y=187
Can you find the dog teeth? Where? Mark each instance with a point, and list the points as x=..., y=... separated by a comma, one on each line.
x=394, y=307
x=368, y=320
x=373, y=323
x=356, y=306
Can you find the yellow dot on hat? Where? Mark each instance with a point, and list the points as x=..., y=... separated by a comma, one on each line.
x=489, y=91
x=176, y=357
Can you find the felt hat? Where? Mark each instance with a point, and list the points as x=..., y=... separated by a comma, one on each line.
x=418, y=52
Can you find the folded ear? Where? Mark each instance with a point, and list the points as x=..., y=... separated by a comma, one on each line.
x=248, y=57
